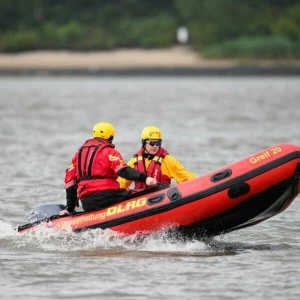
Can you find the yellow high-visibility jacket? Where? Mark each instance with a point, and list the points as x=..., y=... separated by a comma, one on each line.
x=170, y=167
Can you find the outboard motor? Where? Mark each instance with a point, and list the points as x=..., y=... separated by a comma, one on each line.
x=43, y=212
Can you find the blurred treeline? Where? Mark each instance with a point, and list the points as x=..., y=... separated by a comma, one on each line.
x=217, y=28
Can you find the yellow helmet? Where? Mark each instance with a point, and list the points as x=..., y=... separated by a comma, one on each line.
x=151, y=132
x=104, y=130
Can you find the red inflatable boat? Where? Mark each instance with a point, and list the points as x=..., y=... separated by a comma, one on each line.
x=236, y=196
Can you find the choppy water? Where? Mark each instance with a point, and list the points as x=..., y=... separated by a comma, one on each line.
x=206, y=123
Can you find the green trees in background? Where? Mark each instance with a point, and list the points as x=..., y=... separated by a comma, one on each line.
x=217, y=28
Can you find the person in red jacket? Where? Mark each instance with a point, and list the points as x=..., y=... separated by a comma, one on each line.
x=92, y=175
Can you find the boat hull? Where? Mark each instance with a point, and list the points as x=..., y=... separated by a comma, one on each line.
x=233, y=197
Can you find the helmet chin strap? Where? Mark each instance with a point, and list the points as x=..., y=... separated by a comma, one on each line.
x=147, y=154
x=146, y=151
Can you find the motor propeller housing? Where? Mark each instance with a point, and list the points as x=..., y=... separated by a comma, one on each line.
x=43, y=212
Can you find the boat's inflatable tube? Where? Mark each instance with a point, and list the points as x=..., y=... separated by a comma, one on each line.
x=235, y=196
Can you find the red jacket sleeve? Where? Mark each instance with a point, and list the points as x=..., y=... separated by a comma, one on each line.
x=116, y=160
x=71, y=171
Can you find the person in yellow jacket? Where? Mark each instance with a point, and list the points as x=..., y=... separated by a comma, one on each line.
x=155, y=161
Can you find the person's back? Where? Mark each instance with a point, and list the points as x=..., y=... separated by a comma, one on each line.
x=153, y=159
x=95, y=167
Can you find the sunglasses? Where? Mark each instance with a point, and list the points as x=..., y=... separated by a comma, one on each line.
x=154, y=143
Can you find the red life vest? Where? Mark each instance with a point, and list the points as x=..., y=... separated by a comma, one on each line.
x=89, y=172
x=154, y=168
x=85, y=160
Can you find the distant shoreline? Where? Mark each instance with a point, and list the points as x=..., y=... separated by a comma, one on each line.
x=184, y=71
x=177, y=61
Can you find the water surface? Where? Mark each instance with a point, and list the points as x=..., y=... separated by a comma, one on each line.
x=206, y=123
